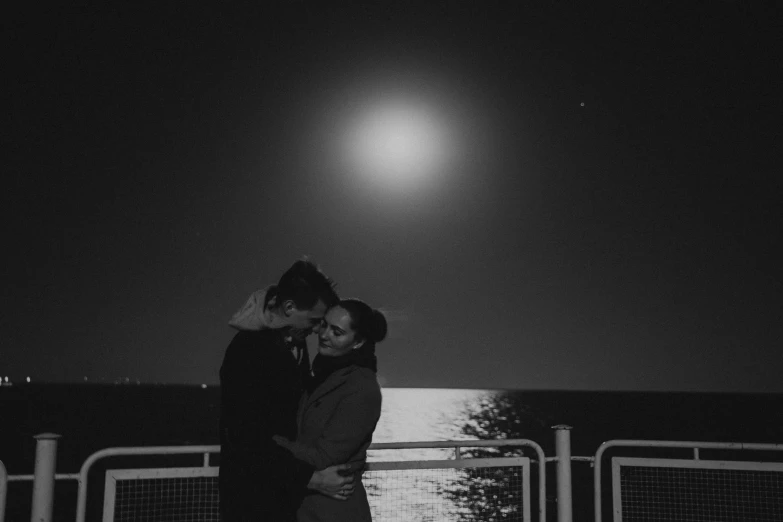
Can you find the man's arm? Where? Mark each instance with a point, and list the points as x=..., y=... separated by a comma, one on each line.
x=350, y=425
x=335, y=481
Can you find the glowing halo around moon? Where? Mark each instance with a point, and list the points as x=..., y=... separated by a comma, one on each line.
x=397, y=143
x=393, y=135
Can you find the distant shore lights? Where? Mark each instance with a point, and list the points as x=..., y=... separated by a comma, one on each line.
x=6, y=380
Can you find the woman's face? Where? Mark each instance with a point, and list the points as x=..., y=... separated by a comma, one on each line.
x=336, y=337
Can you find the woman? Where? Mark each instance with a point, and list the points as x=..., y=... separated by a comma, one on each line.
x=342, y=405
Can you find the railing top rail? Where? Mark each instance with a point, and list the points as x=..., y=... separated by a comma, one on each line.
x=171, y=450
x=149, y=450
x=687, y=444
x=477, y=443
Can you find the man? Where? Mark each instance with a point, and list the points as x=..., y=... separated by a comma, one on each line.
x=261, y=381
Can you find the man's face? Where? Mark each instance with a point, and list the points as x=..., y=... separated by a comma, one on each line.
x=303, y=322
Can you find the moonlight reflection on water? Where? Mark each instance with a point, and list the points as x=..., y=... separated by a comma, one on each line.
x=423, y=414
x=431, y=495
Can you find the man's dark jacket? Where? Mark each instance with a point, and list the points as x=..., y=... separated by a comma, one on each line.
x=260, y=386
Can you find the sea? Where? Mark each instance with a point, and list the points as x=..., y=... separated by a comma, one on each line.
x=90, y=417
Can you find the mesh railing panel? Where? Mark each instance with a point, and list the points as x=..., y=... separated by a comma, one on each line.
x=484, y=492
x=190, y=499
x=653, y=494
x=438, y=495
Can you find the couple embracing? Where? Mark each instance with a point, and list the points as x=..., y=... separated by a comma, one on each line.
x=293, y=437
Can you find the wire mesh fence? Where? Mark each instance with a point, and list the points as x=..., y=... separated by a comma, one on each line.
x=161, y=495
x=412, y=491
x=654, y=490
x=458, y=490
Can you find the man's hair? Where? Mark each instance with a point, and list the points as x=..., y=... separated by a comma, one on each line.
x=305, y=285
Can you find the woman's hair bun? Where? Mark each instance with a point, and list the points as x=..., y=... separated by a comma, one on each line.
x=379, y=326
x=368, y=322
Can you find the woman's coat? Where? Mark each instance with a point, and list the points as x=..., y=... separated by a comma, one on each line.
x=336, y=422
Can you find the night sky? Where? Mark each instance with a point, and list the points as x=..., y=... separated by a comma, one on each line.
x=599, y=207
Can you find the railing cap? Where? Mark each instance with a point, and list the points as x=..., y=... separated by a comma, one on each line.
x=47, y=436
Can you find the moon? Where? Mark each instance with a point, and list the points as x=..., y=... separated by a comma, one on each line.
x=398, y=143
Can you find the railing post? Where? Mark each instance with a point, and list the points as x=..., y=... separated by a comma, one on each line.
x=43, y=481
x=3, y=489
x=563, y=450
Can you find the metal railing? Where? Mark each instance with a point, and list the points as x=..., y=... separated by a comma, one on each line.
x=81, y=501
x=695, y=446
x=43, y=478
x=45, y=475
x=459, y=461
x=167, y=493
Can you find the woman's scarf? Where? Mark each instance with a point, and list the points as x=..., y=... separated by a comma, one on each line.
x=324, y=366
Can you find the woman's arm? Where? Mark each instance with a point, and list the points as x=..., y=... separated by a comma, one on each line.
x=350, y=425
